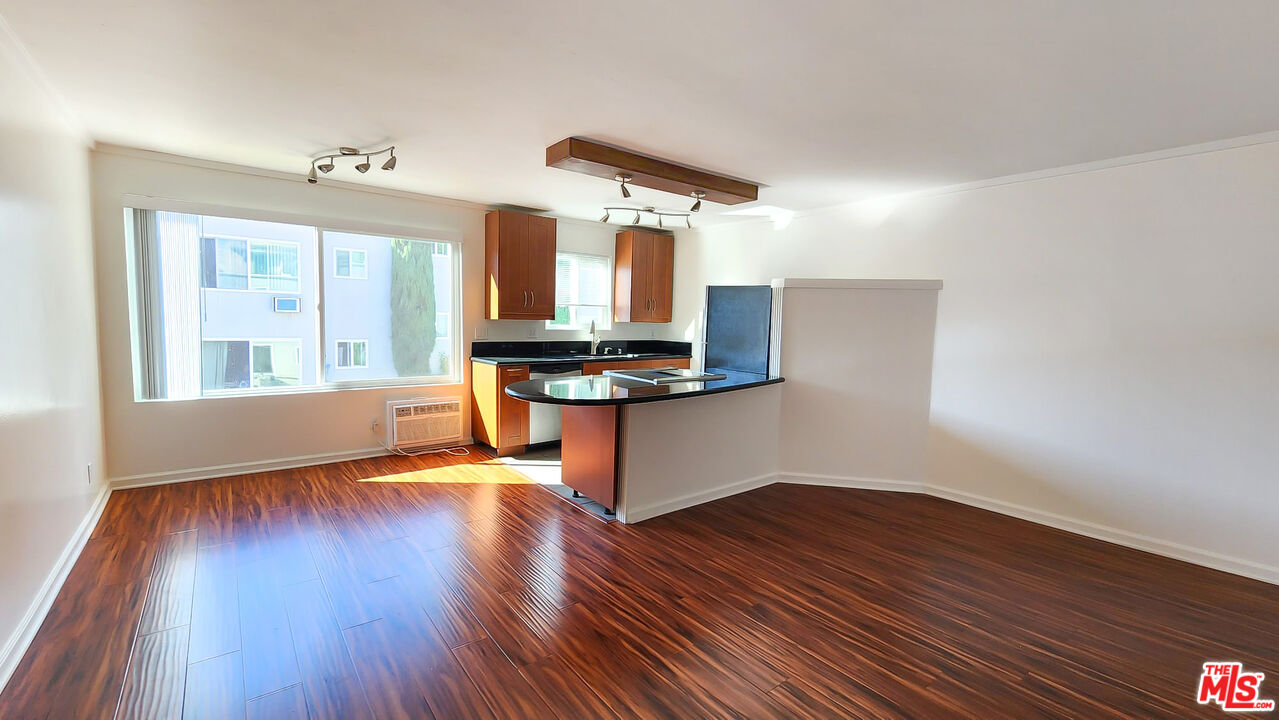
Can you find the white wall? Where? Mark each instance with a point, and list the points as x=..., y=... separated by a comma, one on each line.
x=860, y=411
x=50, y=417
x=156, y=440
x=1107, y=343
x=680, y=453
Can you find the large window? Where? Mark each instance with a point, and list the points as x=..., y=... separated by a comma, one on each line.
x=583, y=289
x=227, y=305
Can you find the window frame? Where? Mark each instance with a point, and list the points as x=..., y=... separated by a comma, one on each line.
x=337, y=353
x=608, y=305
x=318, y=224
x=364, y=264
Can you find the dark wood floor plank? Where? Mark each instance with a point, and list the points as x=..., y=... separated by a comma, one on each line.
x=286, y=704
x=507, y=692
x=346, y=584
x=172, y=584
x=452, y=587
x=564, y=691
x=329, y=679
x=508, y=631
x=215, y=609
x=270, y=662
x=215, y=689
x=157, y=676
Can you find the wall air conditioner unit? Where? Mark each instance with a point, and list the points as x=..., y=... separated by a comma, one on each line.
x=418, y=424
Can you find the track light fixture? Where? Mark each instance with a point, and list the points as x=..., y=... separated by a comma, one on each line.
x=324, y=163
x=647, y=210
x=697, y=205
x=623, y=179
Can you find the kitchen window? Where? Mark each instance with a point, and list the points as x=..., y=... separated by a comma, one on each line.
x=208, y=291
x=583, y=292
x=348, y=263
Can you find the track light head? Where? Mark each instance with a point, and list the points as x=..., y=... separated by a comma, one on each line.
x=623, y=179
x=326, y=167
x=364, y=166
x=605, y=218
x=697, y=204
x=389, y=164
x=310, y=177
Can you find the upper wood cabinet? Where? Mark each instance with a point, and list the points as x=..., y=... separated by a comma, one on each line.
x=643, y=277
x=519, y=266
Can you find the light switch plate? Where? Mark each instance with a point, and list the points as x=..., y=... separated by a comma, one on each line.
x=481, y=332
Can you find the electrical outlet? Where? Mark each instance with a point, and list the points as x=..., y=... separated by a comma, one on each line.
x=532, y=331
x=481, y=332
x=373, y=425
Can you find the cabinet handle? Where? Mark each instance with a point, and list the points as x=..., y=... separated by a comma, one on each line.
x=533, y=302
x=526, y=298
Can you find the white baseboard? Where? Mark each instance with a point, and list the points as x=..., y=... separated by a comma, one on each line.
x=1167, y=548
x=1206, y=558
x=859, y=483
x=216, y=471
x=628, y=515
x=16, y=646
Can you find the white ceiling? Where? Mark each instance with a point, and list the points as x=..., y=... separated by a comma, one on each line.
x=821, y=102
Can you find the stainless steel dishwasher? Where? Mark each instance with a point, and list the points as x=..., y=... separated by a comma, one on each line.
x=543, y=418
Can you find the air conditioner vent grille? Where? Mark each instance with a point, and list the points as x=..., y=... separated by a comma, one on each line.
x=421, y=423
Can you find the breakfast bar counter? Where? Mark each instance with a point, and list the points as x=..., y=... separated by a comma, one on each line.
x=642, y=450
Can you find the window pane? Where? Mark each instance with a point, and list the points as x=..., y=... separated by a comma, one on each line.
x=276, y=363
x=343, y=268
x=583, y=291
x=207, y=335
x=397, y=314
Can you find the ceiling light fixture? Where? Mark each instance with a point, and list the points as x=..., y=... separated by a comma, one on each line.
x=325, y=164
x=646, y=210
x=623, y=179
x=697, y=195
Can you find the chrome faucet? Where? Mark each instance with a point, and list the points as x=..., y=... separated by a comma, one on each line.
x=595, y=338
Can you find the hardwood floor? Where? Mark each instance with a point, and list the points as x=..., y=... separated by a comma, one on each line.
x=448, y=587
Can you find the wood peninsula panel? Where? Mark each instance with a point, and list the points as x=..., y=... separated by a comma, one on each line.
x=588, y=456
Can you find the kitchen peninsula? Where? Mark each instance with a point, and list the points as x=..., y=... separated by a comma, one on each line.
x=628, y=449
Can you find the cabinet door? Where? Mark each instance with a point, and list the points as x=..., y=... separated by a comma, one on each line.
x=641, y=270
x=512, y=414
x=540, y=267
x=661, y=278
x=512, y=264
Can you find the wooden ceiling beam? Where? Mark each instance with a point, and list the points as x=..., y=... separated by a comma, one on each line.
x=592, y=158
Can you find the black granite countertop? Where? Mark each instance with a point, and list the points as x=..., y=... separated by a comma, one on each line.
x=556, y=359
x=571, y=351
x=605, y=390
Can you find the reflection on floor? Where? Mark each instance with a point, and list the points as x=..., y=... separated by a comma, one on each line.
x=542, y=465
